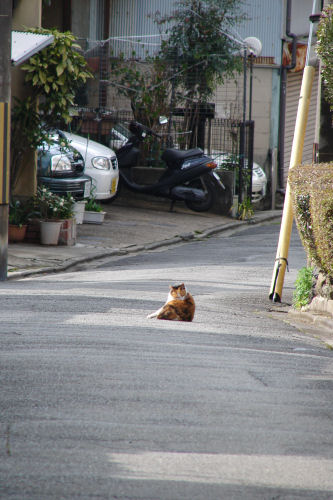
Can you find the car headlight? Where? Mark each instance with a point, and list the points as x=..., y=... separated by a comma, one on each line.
x=60, y=163
x=101, y=162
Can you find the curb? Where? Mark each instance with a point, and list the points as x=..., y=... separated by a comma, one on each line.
x=317, y=313
x=315, y=319
x=139, y=248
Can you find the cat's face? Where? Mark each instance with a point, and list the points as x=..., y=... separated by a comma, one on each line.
x=178, y=291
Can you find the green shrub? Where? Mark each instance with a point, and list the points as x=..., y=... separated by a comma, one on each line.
x=312, y=195
x=303, y=287
x=93, y=206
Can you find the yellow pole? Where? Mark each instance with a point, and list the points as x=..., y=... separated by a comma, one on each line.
x=295, y=159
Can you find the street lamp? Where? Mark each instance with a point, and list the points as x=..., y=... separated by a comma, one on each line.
x=252, y=47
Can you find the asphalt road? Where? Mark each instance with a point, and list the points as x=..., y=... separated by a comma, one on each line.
x=98, y=402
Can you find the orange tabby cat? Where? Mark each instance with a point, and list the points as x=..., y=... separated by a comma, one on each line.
x=179, y=306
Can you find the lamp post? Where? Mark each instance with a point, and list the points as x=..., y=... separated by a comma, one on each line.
x=253, y=50
x=252, y=47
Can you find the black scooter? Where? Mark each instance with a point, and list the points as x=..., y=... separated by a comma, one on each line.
x=189, y=176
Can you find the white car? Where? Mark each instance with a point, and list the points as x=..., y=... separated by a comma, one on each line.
x=259, y=179
x=100, y=164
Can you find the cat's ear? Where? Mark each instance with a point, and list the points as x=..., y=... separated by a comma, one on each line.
x=182, y=285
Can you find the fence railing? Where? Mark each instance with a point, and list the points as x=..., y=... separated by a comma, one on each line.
x=223, y=139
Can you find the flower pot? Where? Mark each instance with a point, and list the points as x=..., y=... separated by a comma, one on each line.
x=49, y=232
x=16, y=233
x=79, y=207
x=93, y=217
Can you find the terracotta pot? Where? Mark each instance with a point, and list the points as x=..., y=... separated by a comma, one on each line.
x=16, y=233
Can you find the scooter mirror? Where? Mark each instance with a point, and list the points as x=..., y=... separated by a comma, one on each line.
x=163, y=120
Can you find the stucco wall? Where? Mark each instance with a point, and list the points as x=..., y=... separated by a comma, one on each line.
x=229, y=104
x=27, y=14
x=261, y=111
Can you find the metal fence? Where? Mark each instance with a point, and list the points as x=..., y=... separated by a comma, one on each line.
x=222, y=139
x=104, y=107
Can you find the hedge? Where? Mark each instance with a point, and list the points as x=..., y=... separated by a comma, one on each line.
x=312, y=195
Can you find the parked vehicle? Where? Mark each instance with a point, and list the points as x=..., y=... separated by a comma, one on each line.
x=189, y=175
x=60, y=168
x=120, y=134
x=100, y=164
x=259, y=179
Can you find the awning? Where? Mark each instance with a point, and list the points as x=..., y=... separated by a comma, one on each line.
x=25, y=45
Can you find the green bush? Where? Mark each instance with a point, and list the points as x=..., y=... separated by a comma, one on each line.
x=93, y=206
x=312, y=194
x=303, y=287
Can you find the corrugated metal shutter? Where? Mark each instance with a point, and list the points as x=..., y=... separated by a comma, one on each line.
x=96, y=19
x=294, y=82
x=133, y=28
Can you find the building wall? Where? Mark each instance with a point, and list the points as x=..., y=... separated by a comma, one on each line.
x=261, y=111
x=28, y=13
x=229, y=104
x=265, y=19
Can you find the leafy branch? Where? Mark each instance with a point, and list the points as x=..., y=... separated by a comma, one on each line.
x=53, y=76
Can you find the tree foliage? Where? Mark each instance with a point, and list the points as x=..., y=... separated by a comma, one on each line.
x=195, y=55
x=55, y=74
x=197, y=37
x=324, y=50
x=203, y=53
x=145, y=84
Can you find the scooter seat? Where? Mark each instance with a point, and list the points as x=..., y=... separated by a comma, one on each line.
x=176, y=157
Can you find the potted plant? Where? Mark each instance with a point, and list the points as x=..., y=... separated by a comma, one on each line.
x=52, y=210
x=18, y=217
x=93, y=213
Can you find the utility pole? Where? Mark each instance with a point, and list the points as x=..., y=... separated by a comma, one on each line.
x=5, y=67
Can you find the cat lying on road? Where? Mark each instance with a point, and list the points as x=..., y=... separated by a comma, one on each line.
x=179, y=306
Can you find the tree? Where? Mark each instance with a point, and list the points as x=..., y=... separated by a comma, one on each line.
x=202, y=52
x=146, y=84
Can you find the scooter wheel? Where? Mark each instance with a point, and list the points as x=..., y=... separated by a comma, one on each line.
x=207, y=202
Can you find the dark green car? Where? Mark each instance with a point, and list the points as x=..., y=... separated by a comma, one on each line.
x=60, y=168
